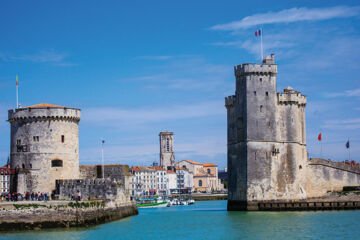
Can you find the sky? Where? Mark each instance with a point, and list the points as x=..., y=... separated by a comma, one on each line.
x=136, y=68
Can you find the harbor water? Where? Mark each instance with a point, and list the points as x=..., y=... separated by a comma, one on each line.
x=210, y=220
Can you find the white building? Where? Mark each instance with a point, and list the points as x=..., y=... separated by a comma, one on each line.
x=5, y=175
x=184, y=179
x=148, y=181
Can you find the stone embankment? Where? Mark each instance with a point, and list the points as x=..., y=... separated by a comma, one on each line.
x=61, y=214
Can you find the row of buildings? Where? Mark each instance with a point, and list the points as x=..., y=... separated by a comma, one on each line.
x=171, y=177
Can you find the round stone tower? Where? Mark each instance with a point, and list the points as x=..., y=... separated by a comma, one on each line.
x=44, y=146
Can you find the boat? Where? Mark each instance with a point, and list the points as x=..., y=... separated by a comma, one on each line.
x=151, y=203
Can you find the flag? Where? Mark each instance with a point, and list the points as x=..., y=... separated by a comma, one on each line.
x=257, y=33
x=347, y=144
x=319, y=137
x=17, y=80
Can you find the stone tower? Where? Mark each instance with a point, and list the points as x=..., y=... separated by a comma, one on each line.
x=167, y=157
x=44, y=146
x=266, y=139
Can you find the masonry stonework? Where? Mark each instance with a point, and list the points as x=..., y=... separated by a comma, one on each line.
x=44, y=146
x=267, y=157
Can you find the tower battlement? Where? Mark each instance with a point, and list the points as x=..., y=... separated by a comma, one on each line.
x=230, y=101
x=44, y=112
x=290, y=96
x=268, y=67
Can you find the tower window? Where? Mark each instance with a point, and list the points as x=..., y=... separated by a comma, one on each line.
x=23, y=165
x=261, y=108
x=255, y=93
x=62, y=138
x=36, y=138
x=56, y=163
x=208, y=171
x=260, y=79
x=267, y=94
x=200, y=183
x=18, y=141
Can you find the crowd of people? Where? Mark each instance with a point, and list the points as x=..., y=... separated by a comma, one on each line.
x=25, y=197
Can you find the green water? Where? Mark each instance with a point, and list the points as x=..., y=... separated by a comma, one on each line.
x=210, y=220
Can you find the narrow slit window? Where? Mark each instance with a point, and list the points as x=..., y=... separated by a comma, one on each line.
x=255, y=93
x=62, y=138
x=267, y=94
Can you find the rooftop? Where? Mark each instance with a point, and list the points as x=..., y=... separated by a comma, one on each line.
x=192, y=162
x=209, y=165
x=45, y=105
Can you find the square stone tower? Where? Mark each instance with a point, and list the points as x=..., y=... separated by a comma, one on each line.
x=167, y=156
x=266, y=139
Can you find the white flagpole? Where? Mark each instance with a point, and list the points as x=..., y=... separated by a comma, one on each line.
x=17, y=92
x=349, y=148
x=261, y=45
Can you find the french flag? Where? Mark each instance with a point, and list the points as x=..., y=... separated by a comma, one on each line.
x=257, y=33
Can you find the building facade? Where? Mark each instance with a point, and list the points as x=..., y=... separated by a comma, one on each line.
x=148, y=181
x=44, y=146
x=205, y=176
x=167, y=156
x=6, y=173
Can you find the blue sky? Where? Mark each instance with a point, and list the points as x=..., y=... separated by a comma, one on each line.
x=139, y=68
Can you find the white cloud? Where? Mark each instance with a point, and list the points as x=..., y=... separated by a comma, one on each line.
x=203, y=148
x=43, y=56
x=346, y=124
x=348, y=93
x=290, y=15
x=118, y=116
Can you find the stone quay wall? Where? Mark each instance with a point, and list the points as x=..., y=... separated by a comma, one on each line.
x=93, y=189
x=327, y=176
x=63, y=216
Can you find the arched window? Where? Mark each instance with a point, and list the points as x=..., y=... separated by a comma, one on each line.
x=200, y=183
x=56, y=163
x=208, y=171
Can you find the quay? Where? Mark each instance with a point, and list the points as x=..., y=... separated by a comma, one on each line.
x=36, y=215
x=296, y=206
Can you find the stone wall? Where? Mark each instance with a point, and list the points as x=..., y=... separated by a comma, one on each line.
x=93, y=189
x=326, y=176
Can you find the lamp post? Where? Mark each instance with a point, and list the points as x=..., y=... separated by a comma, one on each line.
x=102, y=157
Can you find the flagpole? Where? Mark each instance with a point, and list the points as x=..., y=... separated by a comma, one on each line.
x=17, y=92
x=320, y=149
x=349, y=148
x=261, y=45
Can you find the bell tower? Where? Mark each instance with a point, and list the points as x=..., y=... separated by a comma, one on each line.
x=167, y=156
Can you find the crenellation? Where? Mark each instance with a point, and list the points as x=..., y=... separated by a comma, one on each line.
x=230, y=101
